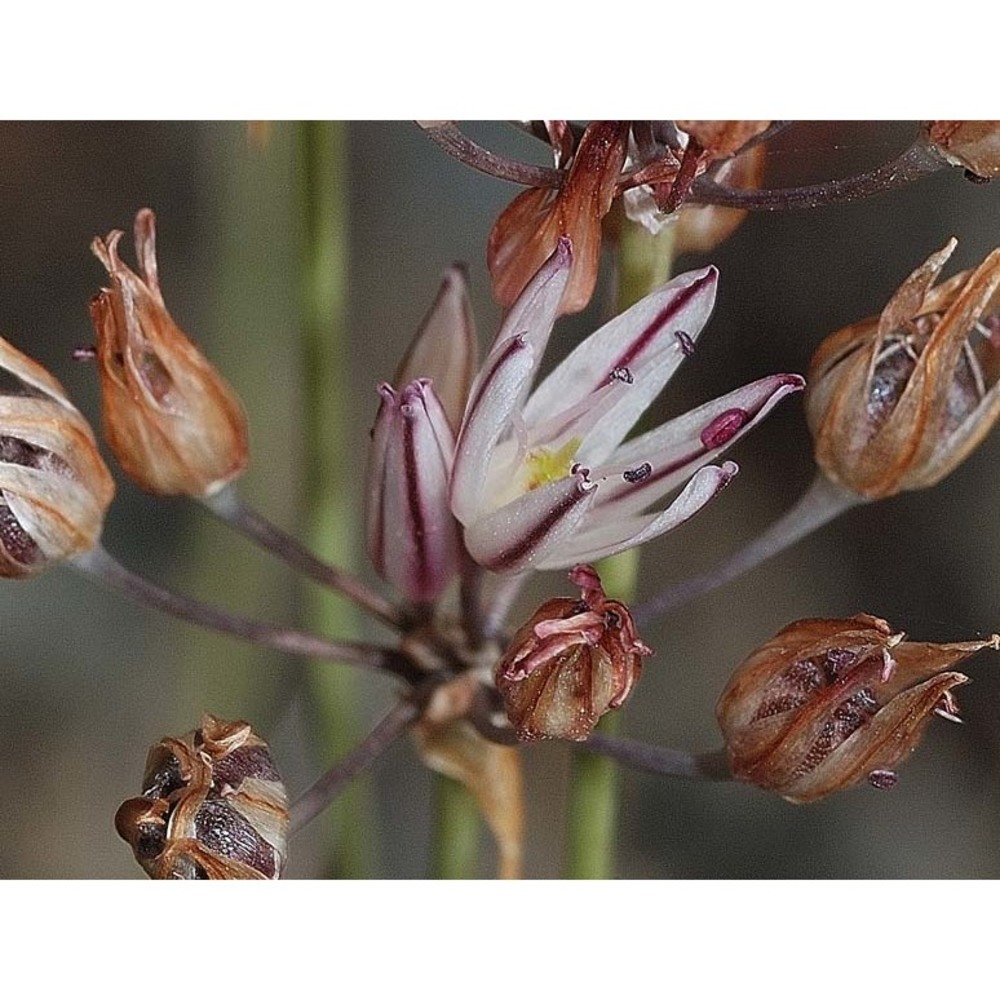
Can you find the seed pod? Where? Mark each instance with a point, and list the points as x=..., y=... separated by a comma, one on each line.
x=827, y=703
x=54, y=487
x=570, y=663
x=213, y=806
x=173, y=423
x=897, y=401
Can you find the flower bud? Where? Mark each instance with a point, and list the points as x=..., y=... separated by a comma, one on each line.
x=570, y=663
x=54, y=486
x=528, y=230
x=972, y=145
x=895, y=402
x=213, y=806
x=829, y=702
x=173, y=423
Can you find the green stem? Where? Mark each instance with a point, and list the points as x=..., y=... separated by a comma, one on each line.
x=644, y=262
x=328, y=528
x=455, y=837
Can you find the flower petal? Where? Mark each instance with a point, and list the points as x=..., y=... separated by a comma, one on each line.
x=657, y=331
x=604, y=535
x=516, y=536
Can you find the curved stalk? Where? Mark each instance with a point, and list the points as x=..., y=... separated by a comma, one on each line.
x=820, y=504
x=712, y=766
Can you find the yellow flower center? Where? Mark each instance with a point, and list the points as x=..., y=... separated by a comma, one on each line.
x=546, y=465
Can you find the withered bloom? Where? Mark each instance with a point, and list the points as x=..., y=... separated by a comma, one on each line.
x=213, y=806
x=171, y=420
x=897, y=401
x=972, y=145
x=54, y=486
x=570, y=663
x=527, y=232
x=827, y=703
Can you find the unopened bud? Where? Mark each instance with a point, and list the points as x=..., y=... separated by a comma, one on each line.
x=213, y=806
x=173, y=423
x=54, y=486
x=570, y=663
x=897, y=401
x=828, y=703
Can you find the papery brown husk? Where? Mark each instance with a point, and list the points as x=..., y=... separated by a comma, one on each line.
x=527, y=231
x=171, y=420
x=60, y=507
x=721, y=139
x=492, y=774
x=972, y=145
x=771, y=751
x=914, y=447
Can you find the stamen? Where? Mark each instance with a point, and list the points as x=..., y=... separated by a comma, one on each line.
x=638, y=474
x=686, y=343
x=882, y=778
x=84, y=353
x=622, y=374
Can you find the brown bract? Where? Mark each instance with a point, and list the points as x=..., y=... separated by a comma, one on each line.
x=213, y=806
x=54, y=486
x=897, y=401
x=570, y=663
x=527, y=231
x=172, y=421
x=827, y=703
x=972, y=145
x=719, y=139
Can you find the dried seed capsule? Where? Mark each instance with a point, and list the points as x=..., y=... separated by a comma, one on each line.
x=171, y=420
x=571, y=662
x=828, y=703
x=213, y=806
x=897, y=401
x=54, y=486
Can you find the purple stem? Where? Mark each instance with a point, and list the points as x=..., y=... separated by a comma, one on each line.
x=712, y=766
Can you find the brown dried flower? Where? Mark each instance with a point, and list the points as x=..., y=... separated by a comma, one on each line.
x=171, y=420
x=570, y=663
x=213, y=806
x=829, y=702
x=897, y=401
x=528, y=230
x=54, y=486
x=972, y=145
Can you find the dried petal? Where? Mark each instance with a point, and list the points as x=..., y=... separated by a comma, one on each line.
x=827, y=703
x=972, y=145
x=171, y=420
x=54, y=487
x=720, y=139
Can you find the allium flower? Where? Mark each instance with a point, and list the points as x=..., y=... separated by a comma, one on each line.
x=54, y=485
x=543, y=480
x=171, y=420
x=827, y=703
x=574, y=660
x=896, y=401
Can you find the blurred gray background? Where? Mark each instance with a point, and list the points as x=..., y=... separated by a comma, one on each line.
x=89, y=681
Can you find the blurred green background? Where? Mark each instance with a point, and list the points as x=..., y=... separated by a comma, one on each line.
x=89, y=681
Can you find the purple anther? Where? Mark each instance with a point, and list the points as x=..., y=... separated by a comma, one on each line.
x=724, y=427
x=621, y=374
x=882, y=778
x=638, y=474
x=687, y=344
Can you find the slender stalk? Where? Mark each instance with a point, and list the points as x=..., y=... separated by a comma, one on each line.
x=327, y=514
x=228, y=507
x=455, y=837
x=323, y=791
x=100, y=565
x=918, y=161
x=820, y=504
x=661, y=760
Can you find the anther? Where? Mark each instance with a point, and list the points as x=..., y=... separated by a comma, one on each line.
x=686, y=343
x=621, y=374
x=638, y=474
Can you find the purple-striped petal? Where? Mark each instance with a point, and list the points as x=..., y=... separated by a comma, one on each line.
x=604, y=536
x=444, y=349
x=649, y=467
x=641, y=349
x=410, y=534
x=519, y=534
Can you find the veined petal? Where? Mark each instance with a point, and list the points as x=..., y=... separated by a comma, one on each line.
x=662, y=326
x=444, y=349
x=517, y=535
x=645, y=469
x=605, y=535
x=410, y=534
x=494, y=401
